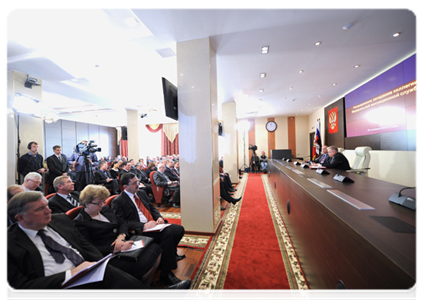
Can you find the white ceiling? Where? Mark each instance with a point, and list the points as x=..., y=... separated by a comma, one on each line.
x=90, y=59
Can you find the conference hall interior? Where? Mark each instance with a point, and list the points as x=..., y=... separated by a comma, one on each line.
x=255, y=107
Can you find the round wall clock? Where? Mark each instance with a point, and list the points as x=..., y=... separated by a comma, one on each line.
x=271, y=126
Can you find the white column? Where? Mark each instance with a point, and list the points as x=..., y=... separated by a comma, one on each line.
x=132, y=119
x=198, y=132
x=229, y=140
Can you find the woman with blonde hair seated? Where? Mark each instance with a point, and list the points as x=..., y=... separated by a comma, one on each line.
x=100, y=226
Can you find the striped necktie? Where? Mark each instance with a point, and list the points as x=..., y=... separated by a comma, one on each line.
x=57, y=251
x=143, y=209
x=323, y=158
x=72, y=200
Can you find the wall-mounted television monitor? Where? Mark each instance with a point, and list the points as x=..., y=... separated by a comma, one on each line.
x=170, y=94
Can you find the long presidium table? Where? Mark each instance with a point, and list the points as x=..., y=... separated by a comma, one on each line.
x=346, y=234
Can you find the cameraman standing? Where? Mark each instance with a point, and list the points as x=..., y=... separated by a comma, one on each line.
x=82, y=174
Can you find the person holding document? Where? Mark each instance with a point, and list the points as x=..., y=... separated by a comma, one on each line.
x=134, y=205
x=100, y=226
x=46, y=250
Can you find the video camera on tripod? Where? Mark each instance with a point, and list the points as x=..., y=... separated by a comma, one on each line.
x=86, y=149
x=253, y=147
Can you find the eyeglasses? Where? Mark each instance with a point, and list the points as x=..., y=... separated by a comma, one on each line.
x=99, y=204
x=135, y=183
x=37, y=182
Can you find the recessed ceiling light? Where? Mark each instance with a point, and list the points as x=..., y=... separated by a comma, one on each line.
x=260, y=100
x=317, y=43
x=261, y=90
x=292, y=100
x=357, y=66
x=264, y=49
x=262, y=75
x=334, y=84
x=396, y=34
x=301, y=71
x=291, y=87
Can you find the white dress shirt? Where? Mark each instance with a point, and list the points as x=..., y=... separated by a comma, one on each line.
x=143, y=219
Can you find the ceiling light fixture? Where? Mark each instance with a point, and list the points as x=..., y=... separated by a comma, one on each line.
x=396, y=34
x=264, y=49
x=317, y=43
x=262, y=75
x=334, y=84
x=291, y=88
x=261, y=90
x=348, y=26
x=301, y=71
x=357, y=66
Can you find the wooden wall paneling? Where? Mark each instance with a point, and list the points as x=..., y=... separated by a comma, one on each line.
x=271, y=141
x=291, y=136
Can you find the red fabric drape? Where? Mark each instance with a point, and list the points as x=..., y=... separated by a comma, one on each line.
x=154, y=130
x=124, y=148
x=169, y=148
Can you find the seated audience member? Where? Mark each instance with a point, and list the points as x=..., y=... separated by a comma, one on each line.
x=66, y=198
x=151, y=167
x=32, y=182
x=45, y=250
x=134, y=205
x=170, y=172
x=323, y=158
x=102, y=176
x=100, y=226
x=12, y=190
x=141, y=161
x=176, y=167
x=263, y=161
x=57, y=166
x=71, y=173
x=141, y=174
x=337, y=160
x=255, y=163
x=160, y=179
x=114, y=171
x=126, y=168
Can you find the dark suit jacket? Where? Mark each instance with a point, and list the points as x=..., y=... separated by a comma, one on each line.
x=172, y=176
x=338, y=161
x=125, y=209
x=142, y=176
x=25, y=269
x=59, y=205
x=103, y=234
x=55, y=167
x=100, y=178
x=327, y=159
x=159, y=179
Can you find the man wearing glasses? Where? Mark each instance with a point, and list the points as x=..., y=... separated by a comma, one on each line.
x=32, y=182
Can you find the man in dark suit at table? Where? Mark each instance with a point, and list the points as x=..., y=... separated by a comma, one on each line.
x=31, y=261
x=337, y=160
x=102, y=176
x=160, y=179
x=57, y=166
x=134, y=205
x=323, y=158
x=66, y=198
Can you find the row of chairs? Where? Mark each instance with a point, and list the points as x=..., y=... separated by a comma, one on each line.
x=75, y=211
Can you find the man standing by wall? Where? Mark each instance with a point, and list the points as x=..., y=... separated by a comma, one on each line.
x=31, y=161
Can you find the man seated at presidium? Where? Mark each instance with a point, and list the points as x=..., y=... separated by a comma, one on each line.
x=66, y=198
x=45, y=250
x=100, y=226
x=134, y=205
x=337, y=160
x=323, y=158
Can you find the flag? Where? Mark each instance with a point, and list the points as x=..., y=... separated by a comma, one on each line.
x=317, y=144
x=333, y=120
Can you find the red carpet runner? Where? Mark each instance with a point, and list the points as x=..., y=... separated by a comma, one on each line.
x=256, y=261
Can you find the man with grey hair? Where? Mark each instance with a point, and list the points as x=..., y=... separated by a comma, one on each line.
x=337, y=160
x=46, y=250
x=66, y=198
x=160, y=179
x=32, y=182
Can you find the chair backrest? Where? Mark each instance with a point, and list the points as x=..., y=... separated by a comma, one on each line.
x=151, y=177
x=362, y=157
x=341, y=150
x=110, y=199
x=50, y=195
x=72, y=213
x=157, y=190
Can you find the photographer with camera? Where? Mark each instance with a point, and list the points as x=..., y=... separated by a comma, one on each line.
x=84, y=159
x=255, y=160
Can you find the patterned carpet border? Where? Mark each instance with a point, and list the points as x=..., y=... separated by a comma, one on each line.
x=292, y=265
x=194, y=241
x=211, y=273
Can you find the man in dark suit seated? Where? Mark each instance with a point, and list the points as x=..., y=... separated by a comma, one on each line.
x=337, y=160
x=170, y=172
x=102, y=176
x=323, y=158
x=32, y=182
x=134, y=205
x=57, y=166
x=160, y=179
x=66, y=198
x=31, y=261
